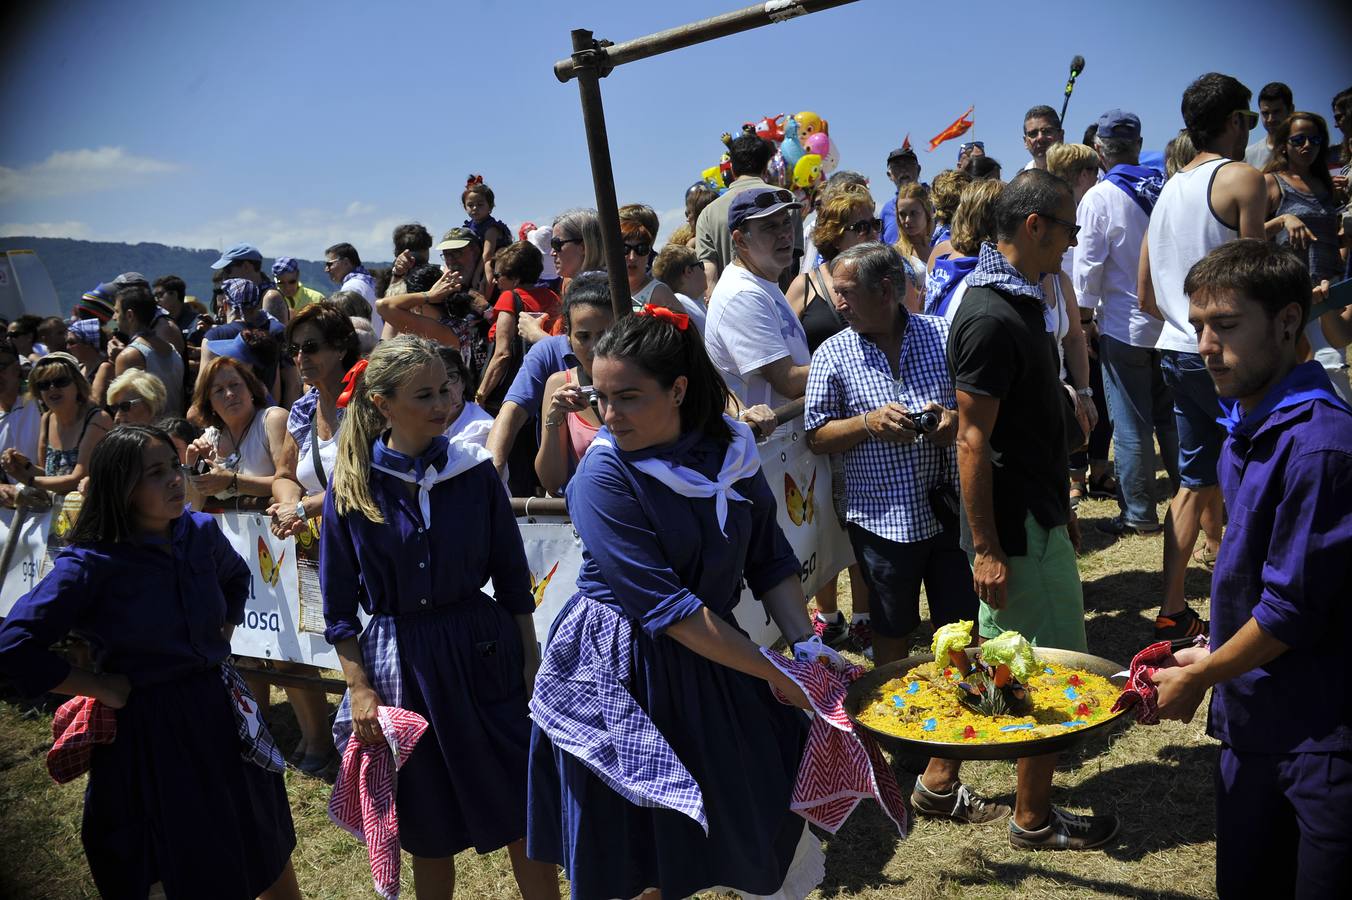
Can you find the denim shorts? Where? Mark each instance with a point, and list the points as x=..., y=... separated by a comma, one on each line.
x=1196, y=409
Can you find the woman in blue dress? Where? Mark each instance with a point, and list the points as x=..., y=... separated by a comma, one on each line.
x=413, y=527
x=660, y=759
x=157, y=592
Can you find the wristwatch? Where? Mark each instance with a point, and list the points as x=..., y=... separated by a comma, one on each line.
x=300, y=511
x=1086, y=392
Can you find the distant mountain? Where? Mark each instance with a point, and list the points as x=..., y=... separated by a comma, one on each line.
x=77, y=266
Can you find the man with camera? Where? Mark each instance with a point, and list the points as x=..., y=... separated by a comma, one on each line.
x=879, y=393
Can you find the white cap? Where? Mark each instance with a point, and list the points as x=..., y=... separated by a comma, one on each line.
x=540, y=237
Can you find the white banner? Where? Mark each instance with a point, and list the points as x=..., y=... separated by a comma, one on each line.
x=283, y=618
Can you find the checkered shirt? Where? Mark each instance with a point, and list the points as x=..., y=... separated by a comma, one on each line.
x=583, y=704
x=380, y=654
x=886, y=485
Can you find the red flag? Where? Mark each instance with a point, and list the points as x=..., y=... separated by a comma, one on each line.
x=906, y=142
x=957, y=129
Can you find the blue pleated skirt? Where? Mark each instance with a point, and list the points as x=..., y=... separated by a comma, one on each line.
x=171, y=800
x=742, y=747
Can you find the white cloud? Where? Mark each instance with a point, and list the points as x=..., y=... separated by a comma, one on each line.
x=45, y=229
x=79, y=172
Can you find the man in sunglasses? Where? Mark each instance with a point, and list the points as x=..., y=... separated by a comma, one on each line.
x=1275, y=104
x=1212, y=200
x=749, y=156
x=245, y=261
x=1041, y=129
x=286, y=272
x=19, y=417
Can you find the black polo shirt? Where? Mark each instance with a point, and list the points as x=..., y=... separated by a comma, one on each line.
x=999, y=347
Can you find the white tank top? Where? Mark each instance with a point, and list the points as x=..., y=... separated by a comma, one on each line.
x=645, y=293
x=255, y=456
x=1183, y=228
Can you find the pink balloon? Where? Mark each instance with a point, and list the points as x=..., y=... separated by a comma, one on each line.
x=817, y=142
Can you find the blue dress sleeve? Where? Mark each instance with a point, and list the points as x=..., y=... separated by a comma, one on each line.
x=507, y=554
x=339, y=576
x=232, y=572
x=769, y=556
x=527, y=390
x=41, y=618
x=621, y=539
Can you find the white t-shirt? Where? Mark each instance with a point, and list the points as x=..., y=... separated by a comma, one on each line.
x=19, y=429
x=694, y=308
x=362, y=286
x=749, y=326
x=1258, y=154
x=1112, y=227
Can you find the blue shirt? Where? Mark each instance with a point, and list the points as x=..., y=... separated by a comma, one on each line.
x=400, y=567
x=889, y=217
x=656, y=556
x=149, y=615
x=553, y=354
x=230, y=330
x=1286, y=561
x=886, y=485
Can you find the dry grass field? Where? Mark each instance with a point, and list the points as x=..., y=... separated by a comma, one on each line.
x=1158, y=780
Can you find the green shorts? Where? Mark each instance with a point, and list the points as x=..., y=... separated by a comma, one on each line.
x=1045, y=602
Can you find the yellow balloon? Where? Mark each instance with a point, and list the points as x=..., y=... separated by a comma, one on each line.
x=713, y=176
x=807, y=171
x=809, y=123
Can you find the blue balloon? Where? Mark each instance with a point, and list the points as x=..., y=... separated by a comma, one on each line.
x=791, y=148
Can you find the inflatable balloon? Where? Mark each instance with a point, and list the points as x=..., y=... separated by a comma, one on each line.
x=810, y=123
x=770, y=128
x=817, y=142
x=831, y=158
x=777, y=172
x=725, y=169
x=791, y=148
x=713, y=178
x=808, y=171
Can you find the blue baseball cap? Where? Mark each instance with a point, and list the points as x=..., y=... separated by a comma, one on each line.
x=237, y=349
x=1120, y=124
x=757, y=203
x=236, y=253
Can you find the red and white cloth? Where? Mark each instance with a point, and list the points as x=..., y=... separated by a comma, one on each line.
x=362, y=803
x=1140, y=690
x=840, y=766
x=79, y=724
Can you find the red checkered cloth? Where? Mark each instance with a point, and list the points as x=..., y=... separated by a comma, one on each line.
x=78, y=725
x=1140, y=691
x=362, y=803
x=840, y=766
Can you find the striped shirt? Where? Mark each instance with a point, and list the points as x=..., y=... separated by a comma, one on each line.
x=887, y=485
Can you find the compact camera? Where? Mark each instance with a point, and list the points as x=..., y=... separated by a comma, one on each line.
x=925, y=422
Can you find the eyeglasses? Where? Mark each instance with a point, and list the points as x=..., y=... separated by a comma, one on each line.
x=866, y=227
x=641, y=249
x=1250, y=118
x=1069, y=226
x=59, y=382
x=123, y=406
x=969, y=145
x=1039, y=132
x=309, y=348
x=1300, y=140
x=557, y=244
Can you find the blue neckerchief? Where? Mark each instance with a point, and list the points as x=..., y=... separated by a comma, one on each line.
x=364, y=275
x=433, y=457
x=949, y=271
x=481, y=229
x=941, y=234
x=1141, y=184
x=993, y=270
x=1307, y=381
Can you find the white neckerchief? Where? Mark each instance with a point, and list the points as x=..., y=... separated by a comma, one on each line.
x=740, y=461
x=459, y=458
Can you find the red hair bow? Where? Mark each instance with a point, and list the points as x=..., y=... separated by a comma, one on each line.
x=350, y=384
x=680, y=320
x=472, y=180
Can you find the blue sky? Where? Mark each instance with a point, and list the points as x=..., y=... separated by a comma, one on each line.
x=293, y=125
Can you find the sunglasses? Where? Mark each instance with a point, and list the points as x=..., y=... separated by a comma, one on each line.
x=123, y=406
x=59, y=382
x=866, y=226
x=770, y=198
x=1069, y=226
x=641, y=249
x=557, y=244
x=1300, y=140
x=330, y=263
x=1250, y=118
x=964, y=147
x=309, y=348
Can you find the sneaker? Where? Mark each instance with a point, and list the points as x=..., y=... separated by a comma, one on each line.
x=861, y=637
x=1183, y=626
x=833, y=634
x=1065, y=831
x=1118, y=526
x=959, y=804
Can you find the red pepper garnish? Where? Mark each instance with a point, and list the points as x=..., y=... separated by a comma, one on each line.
x=1075, y=680
x=969, y=732
x=1082, y=709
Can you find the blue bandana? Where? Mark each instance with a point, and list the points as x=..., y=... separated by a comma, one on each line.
x=940, y=284
x=1141, y=184
x=993, y=270
x=439, y=462
x=283, y=265
x=1307, y=381
x=391, y=460
x=241, y=293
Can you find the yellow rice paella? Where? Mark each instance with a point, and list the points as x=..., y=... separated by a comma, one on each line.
x=925, y=704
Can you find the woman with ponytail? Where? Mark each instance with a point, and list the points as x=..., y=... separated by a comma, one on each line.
x=660, y=759
x=395, y=544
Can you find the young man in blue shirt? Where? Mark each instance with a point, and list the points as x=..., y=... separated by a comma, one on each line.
x=1282, y=700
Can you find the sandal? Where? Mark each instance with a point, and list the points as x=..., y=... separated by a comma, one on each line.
x=1078, y=492
x=1104, y=487
x=1204, y=558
